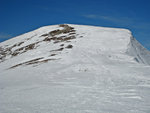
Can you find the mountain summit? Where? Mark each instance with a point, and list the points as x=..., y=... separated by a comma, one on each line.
x=74, y=69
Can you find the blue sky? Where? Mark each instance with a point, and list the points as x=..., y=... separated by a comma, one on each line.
x=21, y=16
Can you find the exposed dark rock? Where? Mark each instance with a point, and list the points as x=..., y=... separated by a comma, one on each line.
x=47, y=39
x=72, y=33
x=62, y=25
x=29, y=47
x=62, y=45
x=45, y=35
x=20, y=43
x=67, y=29
x=69, y=46
x=52, y=54
x=23, y=49
x=34, y=61
x=4, y=53
x=28, y=62
x=69, y=38
x=15, y=53
x=60, y=49
x=55, y=32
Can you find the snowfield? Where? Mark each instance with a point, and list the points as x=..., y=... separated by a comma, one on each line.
x=74, y=69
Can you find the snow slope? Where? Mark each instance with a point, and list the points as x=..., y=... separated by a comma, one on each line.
x=74, y=69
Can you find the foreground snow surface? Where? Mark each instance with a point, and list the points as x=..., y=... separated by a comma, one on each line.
x=97, y=75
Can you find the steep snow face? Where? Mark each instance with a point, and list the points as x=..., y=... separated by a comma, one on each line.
x=141, y=54
x=74, y=69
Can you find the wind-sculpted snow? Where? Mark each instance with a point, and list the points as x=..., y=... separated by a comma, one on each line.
x=141, y=54
x=74, y=69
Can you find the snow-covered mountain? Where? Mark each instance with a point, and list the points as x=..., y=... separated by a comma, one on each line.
x=74, y=69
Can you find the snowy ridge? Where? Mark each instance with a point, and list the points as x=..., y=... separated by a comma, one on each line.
x=141, y=54
x=107, y=40
x=74, y=69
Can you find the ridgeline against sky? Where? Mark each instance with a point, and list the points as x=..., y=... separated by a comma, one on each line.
x=21, y=16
